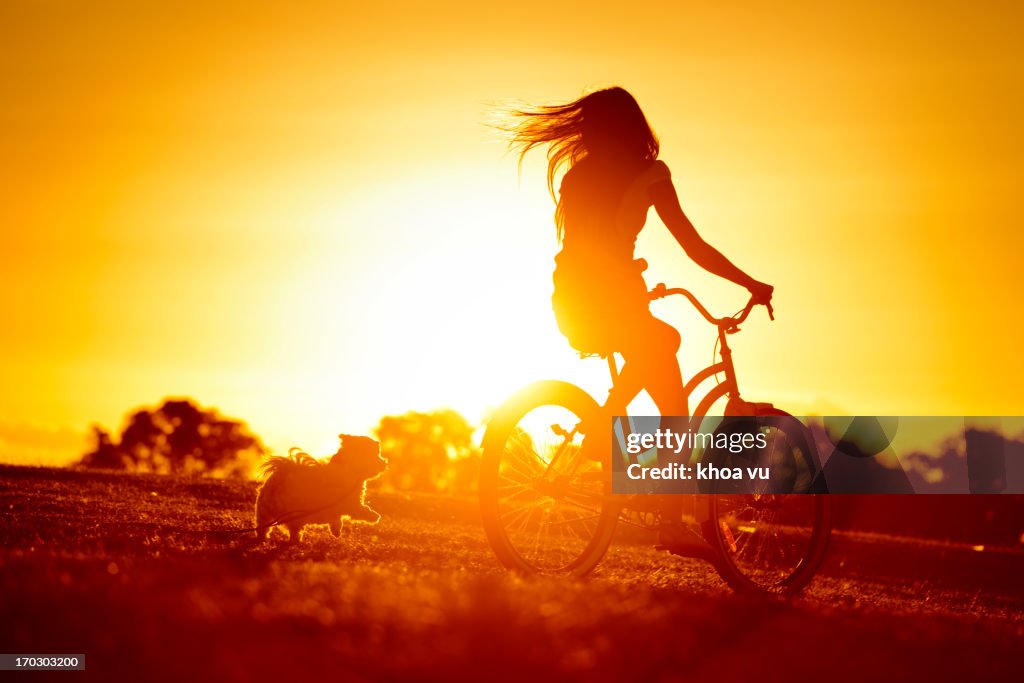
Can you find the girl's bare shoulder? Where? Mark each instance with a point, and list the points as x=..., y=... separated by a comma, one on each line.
x=657, y=172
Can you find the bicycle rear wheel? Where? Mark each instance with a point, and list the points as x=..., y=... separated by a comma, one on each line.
x=546, y=507
x=772, y=542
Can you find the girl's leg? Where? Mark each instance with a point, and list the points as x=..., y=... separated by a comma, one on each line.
x=649, y=351
x=652, y=363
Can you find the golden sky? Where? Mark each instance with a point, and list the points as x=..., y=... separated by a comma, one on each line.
x=295, y=211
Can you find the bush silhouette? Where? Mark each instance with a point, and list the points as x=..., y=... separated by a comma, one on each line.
x=429, y=452
x=178, y=437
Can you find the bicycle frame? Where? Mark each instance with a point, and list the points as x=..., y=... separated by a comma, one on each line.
x=726, y=326
x=716, y=520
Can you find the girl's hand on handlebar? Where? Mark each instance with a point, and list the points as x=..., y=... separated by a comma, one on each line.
x=761, y=292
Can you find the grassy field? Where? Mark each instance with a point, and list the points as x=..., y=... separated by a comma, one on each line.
x=120, y=567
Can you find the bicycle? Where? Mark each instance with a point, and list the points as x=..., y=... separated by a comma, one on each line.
x=547, y=508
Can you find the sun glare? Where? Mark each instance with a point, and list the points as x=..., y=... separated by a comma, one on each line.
x=310, y=246
x=413, y=322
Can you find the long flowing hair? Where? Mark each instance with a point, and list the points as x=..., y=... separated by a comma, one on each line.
x=605, y=123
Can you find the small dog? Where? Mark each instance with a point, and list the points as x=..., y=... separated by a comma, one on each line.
x=301, y=490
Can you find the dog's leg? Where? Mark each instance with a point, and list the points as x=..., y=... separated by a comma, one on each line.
x=261, y=533
x=293, y=533
x=336, y=528
x=261, y=522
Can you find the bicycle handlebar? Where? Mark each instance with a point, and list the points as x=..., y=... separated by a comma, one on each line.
x=729, y=322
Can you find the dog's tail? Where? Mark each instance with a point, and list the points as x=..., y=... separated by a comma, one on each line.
x=280, y=463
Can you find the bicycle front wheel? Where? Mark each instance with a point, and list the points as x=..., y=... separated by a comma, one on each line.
x=546, y=507
x=772, y=542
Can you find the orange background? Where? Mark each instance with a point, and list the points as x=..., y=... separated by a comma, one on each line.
x=299, y=215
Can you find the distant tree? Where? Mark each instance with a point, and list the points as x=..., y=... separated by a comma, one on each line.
x=105, y=454
x=178, y=437
x=429, y=451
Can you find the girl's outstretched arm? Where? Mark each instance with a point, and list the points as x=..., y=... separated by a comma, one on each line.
x=666, y=203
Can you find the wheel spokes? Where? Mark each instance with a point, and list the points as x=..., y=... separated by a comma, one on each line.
x=549, y=495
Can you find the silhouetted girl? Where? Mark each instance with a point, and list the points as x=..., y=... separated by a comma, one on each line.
x=612, y=177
